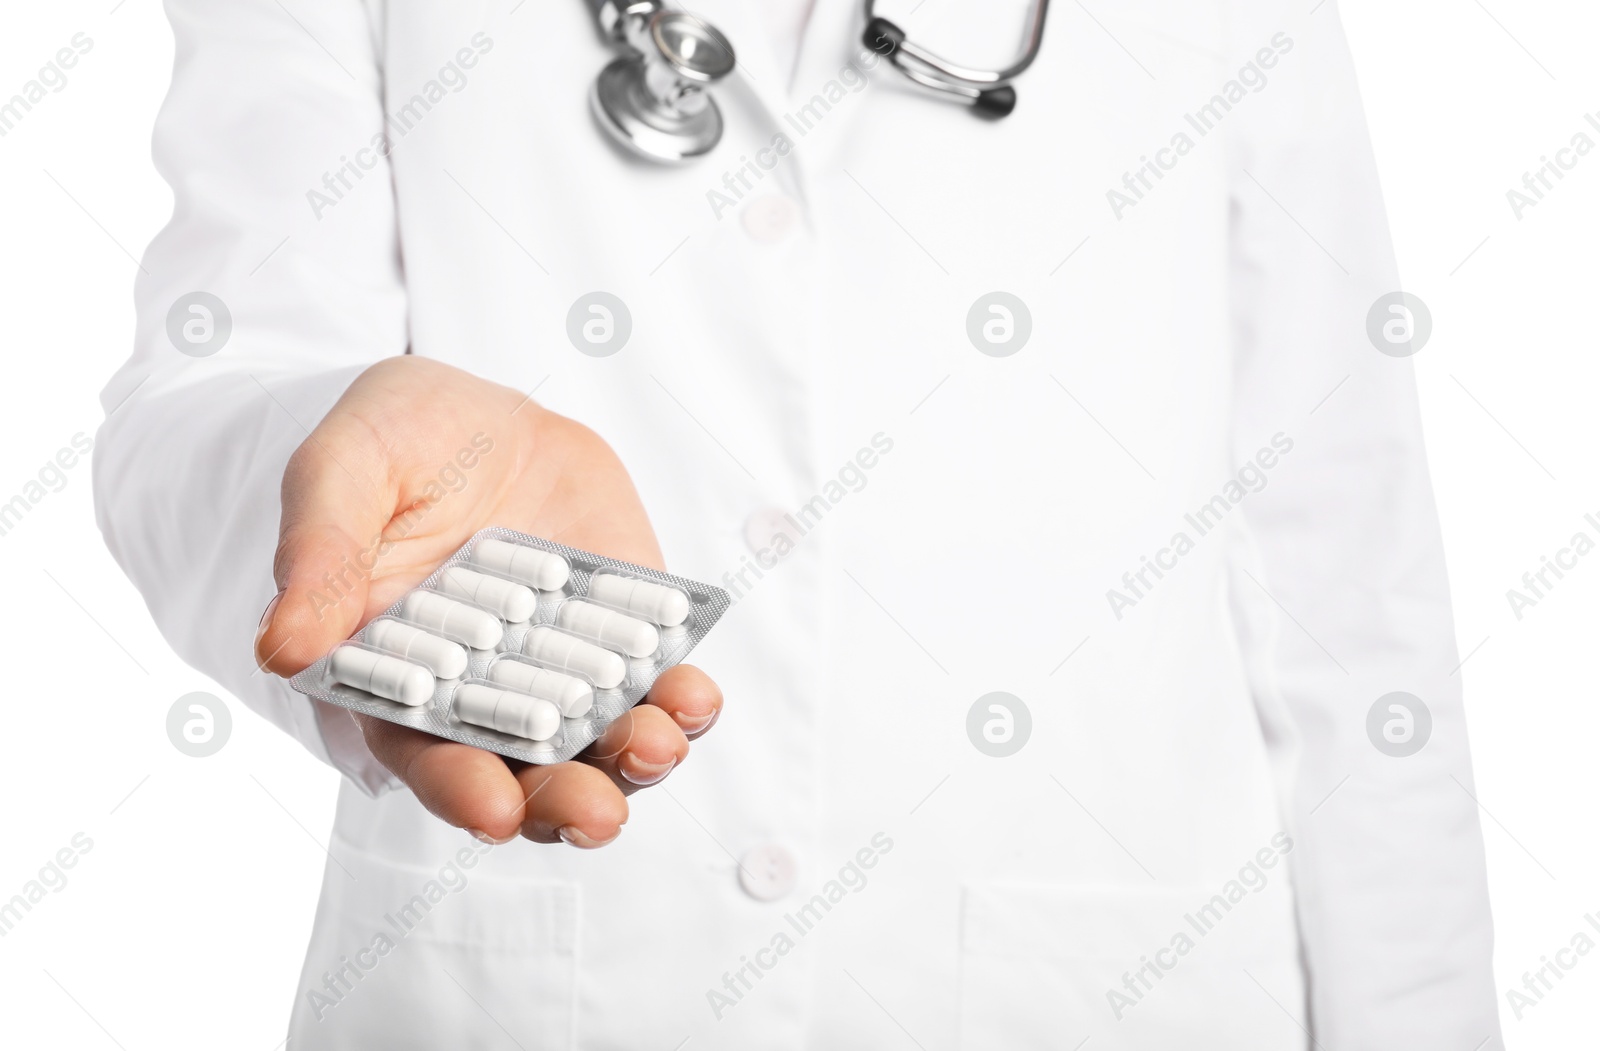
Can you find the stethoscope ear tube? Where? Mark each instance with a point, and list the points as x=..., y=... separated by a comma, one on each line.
x=989, y=93
x=885, y=38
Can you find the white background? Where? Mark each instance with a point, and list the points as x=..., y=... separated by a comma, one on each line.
x=188, y=916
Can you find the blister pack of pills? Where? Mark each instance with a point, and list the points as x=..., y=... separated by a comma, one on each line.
x=519, y=645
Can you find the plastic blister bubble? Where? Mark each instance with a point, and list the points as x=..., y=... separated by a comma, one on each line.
x=592, y=621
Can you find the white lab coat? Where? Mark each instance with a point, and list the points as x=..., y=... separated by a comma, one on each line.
x=1203, y=736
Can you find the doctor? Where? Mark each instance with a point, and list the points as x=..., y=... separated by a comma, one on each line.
x=1077, y=529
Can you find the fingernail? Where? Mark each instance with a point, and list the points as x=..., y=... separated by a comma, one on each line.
x=574, y=837
x=640, y=772
x=693, y=725
x=484, y=837
x=265, y=623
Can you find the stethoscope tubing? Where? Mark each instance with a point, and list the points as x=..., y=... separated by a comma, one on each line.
x=943, y=75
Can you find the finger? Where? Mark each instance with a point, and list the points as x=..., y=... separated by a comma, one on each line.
x=641, y=747
x=573, y=803
x=461, y=785
x=337, y=499
x=688, y=695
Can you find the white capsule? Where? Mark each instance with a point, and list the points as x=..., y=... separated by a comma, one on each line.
x=436, y=612
x=447, y=659
x=657, y=603
x=574, y=656
x=507, y=711
x=571, y=694
x=538, y=569
x=510, y=601
x=377, y=673
x=628, y=634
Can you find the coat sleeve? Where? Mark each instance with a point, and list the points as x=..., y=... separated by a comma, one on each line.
x=1339, y=588
x=271, y=139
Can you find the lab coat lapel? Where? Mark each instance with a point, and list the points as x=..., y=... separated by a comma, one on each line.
x=829, y=79
x=832, y=38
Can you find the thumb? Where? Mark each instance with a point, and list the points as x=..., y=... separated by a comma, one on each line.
x=337, y=500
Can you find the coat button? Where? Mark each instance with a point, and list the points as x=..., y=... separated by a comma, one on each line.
x=767, y=872
x=763, y=529
x=770, y=217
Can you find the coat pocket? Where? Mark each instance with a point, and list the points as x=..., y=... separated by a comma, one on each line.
x=1128, y=970
x=454, y=956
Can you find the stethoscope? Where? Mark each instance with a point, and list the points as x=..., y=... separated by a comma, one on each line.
x=655, y=100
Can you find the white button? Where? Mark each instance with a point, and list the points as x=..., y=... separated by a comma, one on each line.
x=763, y=529
x=767, y=872
x=770, y=217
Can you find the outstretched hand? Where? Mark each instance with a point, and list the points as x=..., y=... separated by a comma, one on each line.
x=414, y=459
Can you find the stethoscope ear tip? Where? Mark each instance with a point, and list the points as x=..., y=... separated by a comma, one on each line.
x=882, y=36
x=996, y=102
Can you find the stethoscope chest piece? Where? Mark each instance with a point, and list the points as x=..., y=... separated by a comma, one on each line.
x=654, y=102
